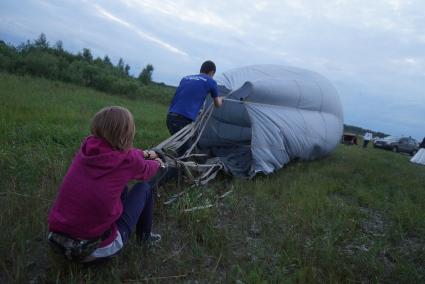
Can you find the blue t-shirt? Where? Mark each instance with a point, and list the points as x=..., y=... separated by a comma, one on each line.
x=191, y=93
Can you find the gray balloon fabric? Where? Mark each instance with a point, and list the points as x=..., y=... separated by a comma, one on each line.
x=271, y=115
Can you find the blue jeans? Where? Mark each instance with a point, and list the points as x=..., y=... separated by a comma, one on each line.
x=138, y=210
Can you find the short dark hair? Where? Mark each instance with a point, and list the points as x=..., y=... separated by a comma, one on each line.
x=207, y=67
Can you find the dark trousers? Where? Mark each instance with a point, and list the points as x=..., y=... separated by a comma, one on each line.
x=138, y=210
x=365, y=142
x=175, y=122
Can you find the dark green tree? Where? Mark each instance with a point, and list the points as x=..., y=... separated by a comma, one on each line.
x=41, y=42
x=127, y=69
x=146, y=75
x=59, y=46
x=121, y=65
x=7, y=56
x=87, y=55
x=107, y=60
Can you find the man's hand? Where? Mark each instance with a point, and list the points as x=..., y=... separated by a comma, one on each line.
x=218, y=101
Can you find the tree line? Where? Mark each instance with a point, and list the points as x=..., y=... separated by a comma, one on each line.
x=39, y=58
x=361, y=131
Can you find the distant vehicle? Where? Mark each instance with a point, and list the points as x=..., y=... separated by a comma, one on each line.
x=386, y=142
x=404, y=144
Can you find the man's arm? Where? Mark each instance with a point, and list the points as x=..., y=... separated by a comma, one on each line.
x=218, y=101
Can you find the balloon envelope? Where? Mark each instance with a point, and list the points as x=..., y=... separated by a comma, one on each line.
x=272, y=114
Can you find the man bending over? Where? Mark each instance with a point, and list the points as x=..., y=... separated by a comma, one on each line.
x=190, y=96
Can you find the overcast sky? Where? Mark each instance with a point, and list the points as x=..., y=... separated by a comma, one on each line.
x=372, y=51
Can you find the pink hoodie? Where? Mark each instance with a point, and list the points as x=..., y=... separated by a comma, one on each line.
x=89, y=202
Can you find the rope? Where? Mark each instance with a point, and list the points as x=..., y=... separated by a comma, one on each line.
x=194, y=173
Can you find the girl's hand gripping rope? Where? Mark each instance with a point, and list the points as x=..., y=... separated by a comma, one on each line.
x=150, y=155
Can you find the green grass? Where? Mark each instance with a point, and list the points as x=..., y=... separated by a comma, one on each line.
x=355, y=216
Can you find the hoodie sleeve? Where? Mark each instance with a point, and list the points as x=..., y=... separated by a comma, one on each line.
x=143, y=169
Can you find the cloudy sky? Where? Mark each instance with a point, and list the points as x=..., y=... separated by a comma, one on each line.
x=372, y=51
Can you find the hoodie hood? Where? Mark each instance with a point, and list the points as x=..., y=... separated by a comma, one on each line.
x=99, y=157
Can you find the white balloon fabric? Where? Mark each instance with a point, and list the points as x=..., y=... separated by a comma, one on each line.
x=271, y=115
x=419, y=158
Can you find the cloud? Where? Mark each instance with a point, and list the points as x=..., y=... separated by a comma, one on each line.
x=193, y=12
x=138, y=31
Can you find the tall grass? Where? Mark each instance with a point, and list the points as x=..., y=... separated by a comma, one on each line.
x=355, y=216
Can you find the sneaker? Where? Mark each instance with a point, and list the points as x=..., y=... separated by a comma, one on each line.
x=151, y=239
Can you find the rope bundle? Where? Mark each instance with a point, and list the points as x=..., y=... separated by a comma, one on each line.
x=187, y=164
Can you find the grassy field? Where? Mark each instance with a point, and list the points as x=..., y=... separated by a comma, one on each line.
x=355, y=216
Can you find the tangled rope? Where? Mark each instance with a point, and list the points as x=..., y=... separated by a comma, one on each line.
x=188, y=164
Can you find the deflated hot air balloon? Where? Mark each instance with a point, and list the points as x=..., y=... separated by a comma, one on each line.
x=272, y=114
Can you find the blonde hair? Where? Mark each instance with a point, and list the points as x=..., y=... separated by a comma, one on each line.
x=116, y=125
